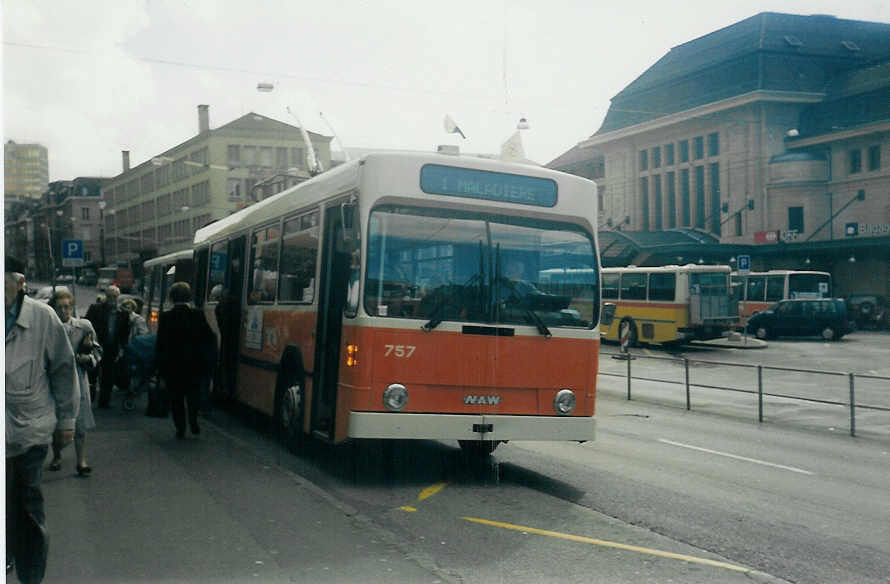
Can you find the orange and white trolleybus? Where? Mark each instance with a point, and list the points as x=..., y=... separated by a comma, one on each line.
x=403, y=296
x=757, y=291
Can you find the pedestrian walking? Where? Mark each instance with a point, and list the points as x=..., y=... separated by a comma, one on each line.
x=136, y=322
x=183, y=337
x=112, y=326
x=87, y=355
x=42, y=398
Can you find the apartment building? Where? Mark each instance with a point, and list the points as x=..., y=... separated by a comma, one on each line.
x=25, y=171
x=155, y=207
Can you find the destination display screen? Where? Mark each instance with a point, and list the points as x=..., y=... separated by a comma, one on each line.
x=436, y=179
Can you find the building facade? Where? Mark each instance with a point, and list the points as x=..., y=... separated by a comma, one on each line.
x=25, y=170
x=68, y=209
x=769, y=137
x=156, y=207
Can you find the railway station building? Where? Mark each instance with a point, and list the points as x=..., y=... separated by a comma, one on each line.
x=770, y=137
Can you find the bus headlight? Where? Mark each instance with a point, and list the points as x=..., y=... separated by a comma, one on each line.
x=564, y=402
x=396, y=396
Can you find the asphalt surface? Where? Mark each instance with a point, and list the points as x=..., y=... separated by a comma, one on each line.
x=203, y=509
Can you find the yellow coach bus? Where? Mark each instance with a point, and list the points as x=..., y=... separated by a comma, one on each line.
x=669, y=304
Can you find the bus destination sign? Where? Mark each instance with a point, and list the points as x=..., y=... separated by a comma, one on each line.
x=436, y=179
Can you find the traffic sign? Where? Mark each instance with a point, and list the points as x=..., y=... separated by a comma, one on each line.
x=72, y=253
x=744, y=263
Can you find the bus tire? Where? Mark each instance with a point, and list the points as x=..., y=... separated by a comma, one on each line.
x=290, y=403
x=829, y=334
x=633, y=341
x=478, y=449
x=762, y=333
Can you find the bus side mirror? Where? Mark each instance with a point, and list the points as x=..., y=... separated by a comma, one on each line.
x=608, y=314
x=348, y=220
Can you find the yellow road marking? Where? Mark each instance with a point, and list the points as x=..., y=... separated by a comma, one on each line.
x=648, y=352
x=425, y=494
x=430, y=491
x=611, y=544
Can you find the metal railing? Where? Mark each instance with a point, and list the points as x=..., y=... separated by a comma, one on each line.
x=759, y=391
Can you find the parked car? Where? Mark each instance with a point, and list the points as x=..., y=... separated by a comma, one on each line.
x=88, y=278
x=65, y=278
x=826, y=318
x=868, y=311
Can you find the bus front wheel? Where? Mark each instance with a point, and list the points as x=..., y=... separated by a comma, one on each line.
x=289, y=404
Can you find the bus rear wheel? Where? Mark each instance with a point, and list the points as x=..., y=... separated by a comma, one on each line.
x=289, y=404
x=478, y=449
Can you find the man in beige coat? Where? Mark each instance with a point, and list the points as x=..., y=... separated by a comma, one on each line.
x=42, y=394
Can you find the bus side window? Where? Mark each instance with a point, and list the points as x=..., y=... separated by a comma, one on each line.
x=756, y=286
x=775, y=288
x=662, y=287
x=610, y=285
x=299, y=250
x=217, y=276
x=633, y=286
x=264, y=264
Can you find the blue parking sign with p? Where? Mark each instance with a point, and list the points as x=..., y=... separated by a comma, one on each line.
x=72, y=252
x=744, y=263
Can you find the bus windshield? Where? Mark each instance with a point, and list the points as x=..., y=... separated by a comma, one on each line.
x=442, y=265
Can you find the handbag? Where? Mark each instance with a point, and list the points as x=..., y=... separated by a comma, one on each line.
x=86, y=347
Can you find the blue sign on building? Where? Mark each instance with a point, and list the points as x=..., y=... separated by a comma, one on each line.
x=744, y=263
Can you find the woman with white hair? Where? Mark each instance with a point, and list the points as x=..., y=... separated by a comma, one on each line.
x=87, y=354
x=138, y=326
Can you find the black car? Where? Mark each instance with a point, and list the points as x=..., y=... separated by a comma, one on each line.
x=825, y=317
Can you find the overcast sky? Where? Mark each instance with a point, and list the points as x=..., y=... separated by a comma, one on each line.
x=89, y=78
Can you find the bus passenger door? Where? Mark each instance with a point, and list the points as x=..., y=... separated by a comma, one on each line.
x=333, y=280
x=228, y=314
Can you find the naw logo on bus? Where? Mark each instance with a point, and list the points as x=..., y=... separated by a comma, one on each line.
x=482, y=400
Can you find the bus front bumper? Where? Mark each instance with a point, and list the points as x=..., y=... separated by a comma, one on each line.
x=470, y=427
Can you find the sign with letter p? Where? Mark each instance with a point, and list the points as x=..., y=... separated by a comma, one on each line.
x=72, y=253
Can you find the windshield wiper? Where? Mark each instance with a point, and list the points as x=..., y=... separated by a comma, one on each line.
x=435, y=320
x=536, y=318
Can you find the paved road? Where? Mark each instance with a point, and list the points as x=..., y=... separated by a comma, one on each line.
x=660, y=375
x=232, y=506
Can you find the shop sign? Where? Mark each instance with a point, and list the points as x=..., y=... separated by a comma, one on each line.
x=776, y=235
x=855, y=229
x=766, y=236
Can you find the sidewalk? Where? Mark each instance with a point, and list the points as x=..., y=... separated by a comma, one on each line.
x=204, y=509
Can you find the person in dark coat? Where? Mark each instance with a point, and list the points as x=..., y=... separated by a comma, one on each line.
x=112, y=326
x=183, y=335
